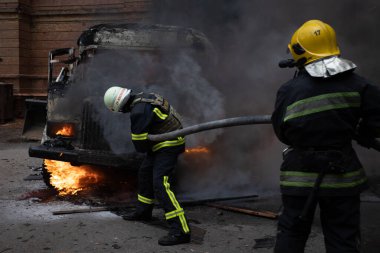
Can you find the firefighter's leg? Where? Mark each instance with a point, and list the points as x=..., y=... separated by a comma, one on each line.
x=340, y=218
x=145, y=194
x=165, y=162
x=292, y=233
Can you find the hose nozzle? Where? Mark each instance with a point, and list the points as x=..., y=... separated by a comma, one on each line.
x=289, y=63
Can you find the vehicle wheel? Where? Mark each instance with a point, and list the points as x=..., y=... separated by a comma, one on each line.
x=46, y=176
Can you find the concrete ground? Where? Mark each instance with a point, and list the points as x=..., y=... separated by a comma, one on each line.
x=28, y=225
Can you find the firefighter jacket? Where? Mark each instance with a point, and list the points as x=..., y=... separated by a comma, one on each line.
x=152, y=114
x=318, y=118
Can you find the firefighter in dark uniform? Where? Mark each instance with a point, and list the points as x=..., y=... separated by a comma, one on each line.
x=152, y=114
x=317, y=114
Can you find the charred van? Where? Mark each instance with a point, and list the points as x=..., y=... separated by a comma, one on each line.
x=77, y=136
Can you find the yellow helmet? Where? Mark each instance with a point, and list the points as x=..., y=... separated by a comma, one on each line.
x=312, y=41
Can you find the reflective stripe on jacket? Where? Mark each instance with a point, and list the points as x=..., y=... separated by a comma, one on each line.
x=330, y=181
x=324, y=114
x=153, y=115
x=321, y=103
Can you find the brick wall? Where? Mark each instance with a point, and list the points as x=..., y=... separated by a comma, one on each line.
x=30, y=29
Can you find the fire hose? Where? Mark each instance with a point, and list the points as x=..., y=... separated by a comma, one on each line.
x=229, y=122
x=239, y=121
x=251, y=120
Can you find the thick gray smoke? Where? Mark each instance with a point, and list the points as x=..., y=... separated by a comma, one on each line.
x=177, y=77
x=192, y=95
x=251, y=37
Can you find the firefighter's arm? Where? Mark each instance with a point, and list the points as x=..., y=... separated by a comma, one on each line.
x=141, y=119
x=369, y=126
x=278, y=116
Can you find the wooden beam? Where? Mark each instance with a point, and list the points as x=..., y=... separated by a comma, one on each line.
x=189, y=202
x=260, y=213
x=90, y=209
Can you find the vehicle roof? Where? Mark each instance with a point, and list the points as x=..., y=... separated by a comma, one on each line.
x=138, y=36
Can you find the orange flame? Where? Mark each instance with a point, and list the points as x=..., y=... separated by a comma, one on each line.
x=197, y=150
x=66, y=130
x=68, y=179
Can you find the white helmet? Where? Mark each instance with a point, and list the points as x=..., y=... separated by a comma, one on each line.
x=116, y=97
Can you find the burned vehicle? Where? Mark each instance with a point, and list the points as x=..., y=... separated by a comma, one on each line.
x=77, y=128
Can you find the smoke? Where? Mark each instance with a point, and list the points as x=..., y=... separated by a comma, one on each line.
x=175, y=75
x=193, y=96
x=250, y=38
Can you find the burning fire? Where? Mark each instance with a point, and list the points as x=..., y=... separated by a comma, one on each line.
x=197, y=150
x=66, y=130
x=68, y=179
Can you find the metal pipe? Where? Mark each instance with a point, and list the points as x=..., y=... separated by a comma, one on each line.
x=238, y=121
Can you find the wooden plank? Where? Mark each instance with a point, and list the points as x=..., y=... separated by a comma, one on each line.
x=81, y=210
x=260, y=213
x=203, y=201
x=92, y=209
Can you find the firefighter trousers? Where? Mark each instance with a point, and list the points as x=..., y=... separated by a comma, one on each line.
x=155, y=177
x=340, y=220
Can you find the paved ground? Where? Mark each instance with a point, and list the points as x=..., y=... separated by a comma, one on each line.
x=28, y=225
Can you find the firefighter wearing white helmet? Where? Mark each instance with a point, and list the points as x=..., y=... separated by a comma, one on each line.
x=152, y=114
x=116, y=98
x=317, y=114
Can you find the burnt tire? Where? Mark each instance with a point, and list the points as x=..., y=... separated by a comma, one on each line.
x=46, y=176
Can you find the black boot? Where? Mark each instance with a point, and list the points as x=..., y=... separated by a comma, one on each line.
x=142, y=213
x=172, y=239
